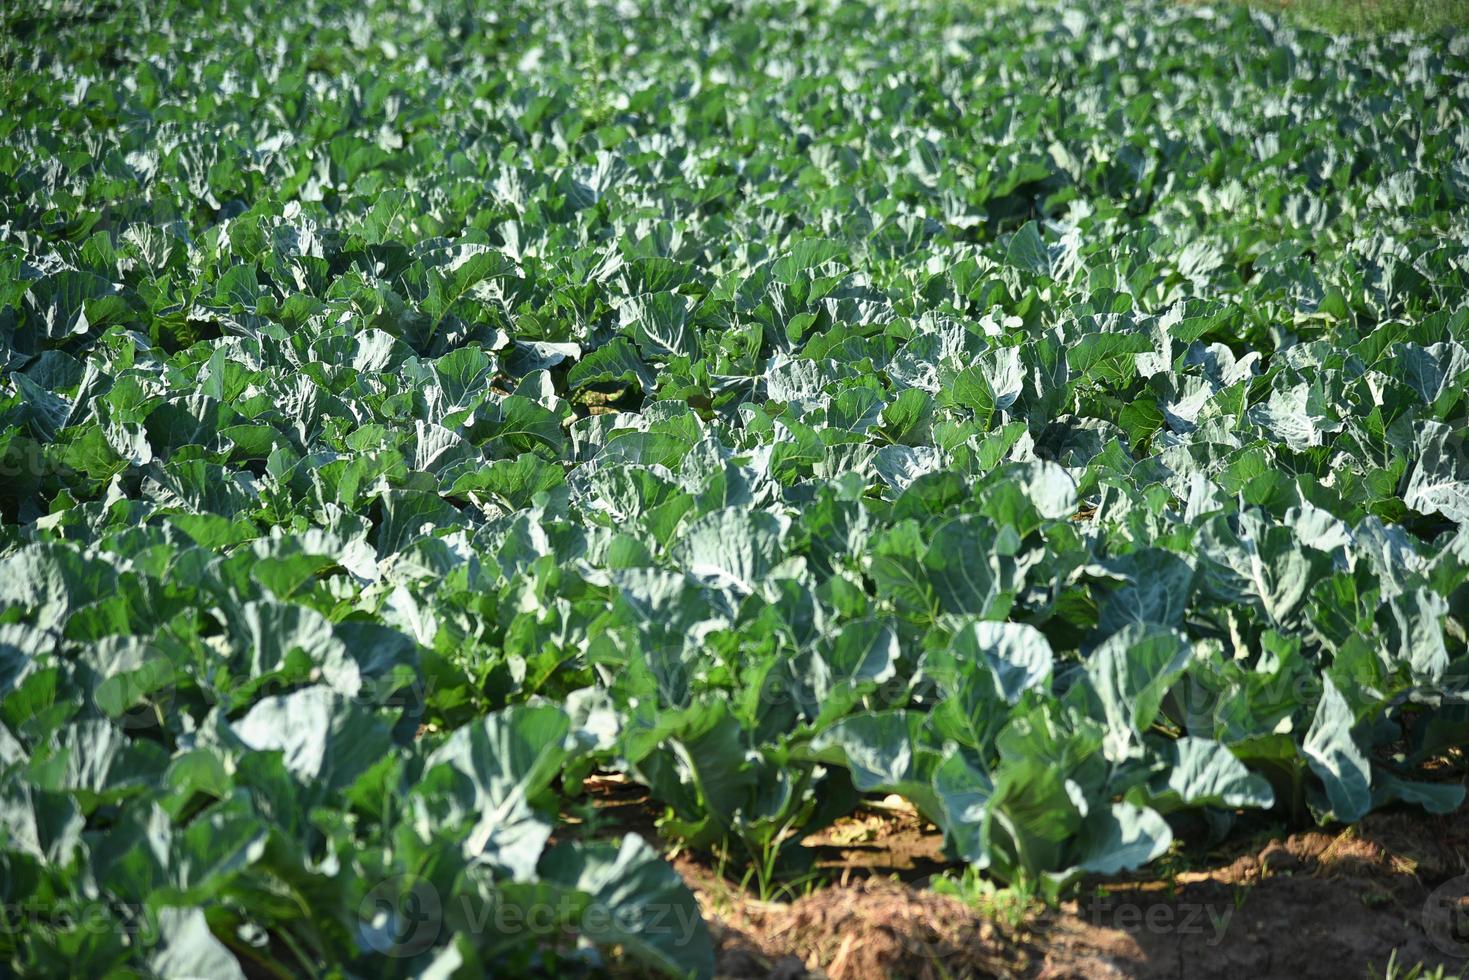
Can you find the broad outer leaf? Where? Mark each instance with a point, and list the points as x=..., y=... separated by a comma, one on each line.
x=637, y=902
x=1333, y=755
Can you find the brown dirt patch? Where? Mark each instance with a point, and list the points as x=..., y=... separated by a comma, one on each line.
x=1314, y=904
x=872, y=927
x=883, y=838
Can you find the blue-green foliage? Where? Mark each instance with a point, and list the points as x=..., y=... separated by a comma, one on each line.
x=1055, y=416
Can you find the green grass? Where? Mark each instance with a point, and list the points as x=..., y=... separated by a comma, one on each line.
x=1419, y=971
x=1373, y=16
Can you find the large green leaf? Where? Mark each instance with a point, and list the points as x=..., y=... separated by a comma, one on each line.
x=637, y=902
x=1334, y=756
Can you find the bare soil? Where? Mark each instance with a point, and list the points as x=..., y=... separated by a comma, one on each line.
x=1326, y=904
